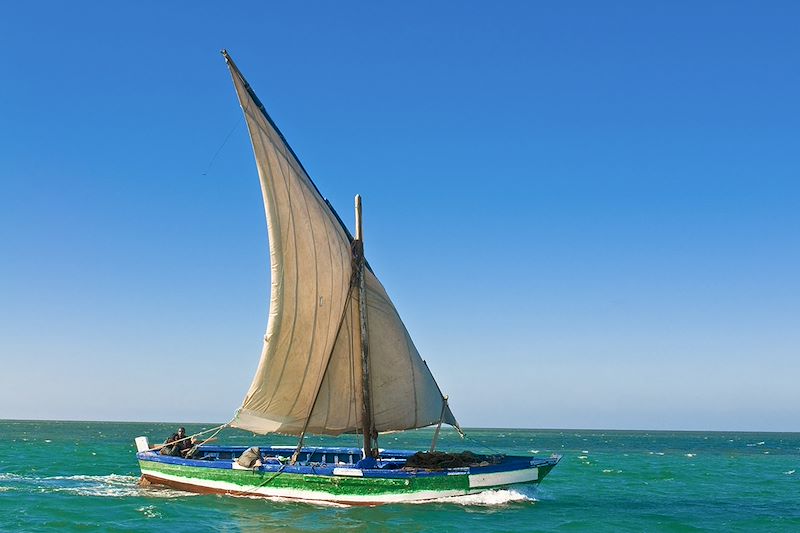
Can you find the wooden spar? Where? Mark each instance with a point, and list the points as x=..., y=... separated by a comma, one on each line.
x=359, y=228
x=439, y=425
x=366, y=414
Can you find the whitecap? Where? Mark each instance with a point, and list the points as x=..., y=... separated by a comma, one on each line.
x=110, y=478
x=690, y=454
x=281, y=499
x=490, y=497
x=149, y=511
x=789, y=472
x=111, y=485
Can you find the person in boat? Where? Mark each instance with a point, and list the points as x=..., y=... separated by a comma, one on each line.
x=179, y=445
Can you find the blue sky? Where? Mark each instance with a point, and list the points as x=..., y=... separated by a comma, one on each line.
x=587, y=213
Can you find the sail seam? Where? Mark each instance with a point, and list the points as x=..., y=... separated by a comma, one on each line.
x=330, y=316
x=409, y=348
x=327, y=364
x=296, y=270
x=313, y=334
x=274, y=126
x=301, y=172
x=352, y=412
x=274, y=327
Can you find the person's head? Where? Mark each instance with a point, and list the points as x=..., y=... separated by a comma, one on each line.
x=181, y=431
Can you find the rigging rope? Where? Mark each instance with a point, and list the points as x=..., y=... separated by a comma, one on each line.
x=464, y=435
x=214, y=158
x=216, y=430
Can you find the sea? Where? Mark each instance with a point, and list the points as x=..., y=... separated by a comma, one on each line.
x=82, y=476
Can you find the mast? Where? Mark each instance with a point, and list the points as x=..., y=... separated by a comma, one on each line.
x=366, y=415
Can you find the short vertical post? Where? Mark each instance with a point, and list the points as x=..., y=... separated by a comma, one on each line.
x=439, y=425
x=359, y=226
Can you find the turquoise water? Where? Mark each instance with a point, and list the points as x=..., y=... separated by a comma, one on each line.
x=81, y=476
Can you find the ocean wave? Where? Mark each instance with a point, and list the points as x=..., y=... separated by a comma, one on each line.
x=491, y=498
x=149, y=511
x=282, y=499
x=110, y=485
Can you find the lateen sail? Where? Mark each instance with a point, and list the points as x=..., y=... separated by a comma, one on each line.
x=309, y=374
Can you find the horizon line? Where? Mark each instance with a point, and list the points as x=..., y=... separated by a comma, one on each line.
x=424, y=428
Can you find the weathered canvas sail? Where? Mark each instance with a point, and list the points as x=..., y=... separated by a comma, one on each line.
x=309, y=374
x=404, y=393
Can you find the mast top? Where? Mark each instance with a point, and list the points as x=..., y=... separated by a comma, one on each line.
x=359, y=230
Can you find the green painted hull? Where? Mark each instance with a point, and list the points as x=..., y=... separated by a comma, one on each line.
x=344, y=485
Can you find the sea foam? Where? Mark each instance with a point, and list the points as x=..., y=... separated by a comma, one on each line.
x=110, y=485
x=491, y=497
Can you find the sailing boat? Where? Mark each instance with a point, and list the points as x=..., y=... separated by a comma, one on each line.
x=336, y=359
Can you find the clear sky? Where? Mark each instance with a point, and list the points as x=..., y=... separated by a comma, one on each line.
x=587, y=213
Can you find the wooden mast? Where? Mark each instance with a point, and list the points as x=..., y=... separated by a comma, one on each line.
x=366, y=414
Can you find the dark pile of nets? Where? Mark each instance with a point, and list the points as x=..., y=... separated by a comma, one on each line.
x=442, y=460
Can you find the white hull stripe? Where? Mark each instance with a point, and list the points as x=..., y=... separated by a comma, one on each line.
x=255, y=490
x=496, y=479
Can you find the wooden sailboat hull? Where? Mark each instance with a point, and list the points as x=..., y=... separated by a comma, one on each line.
x=341, y=481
